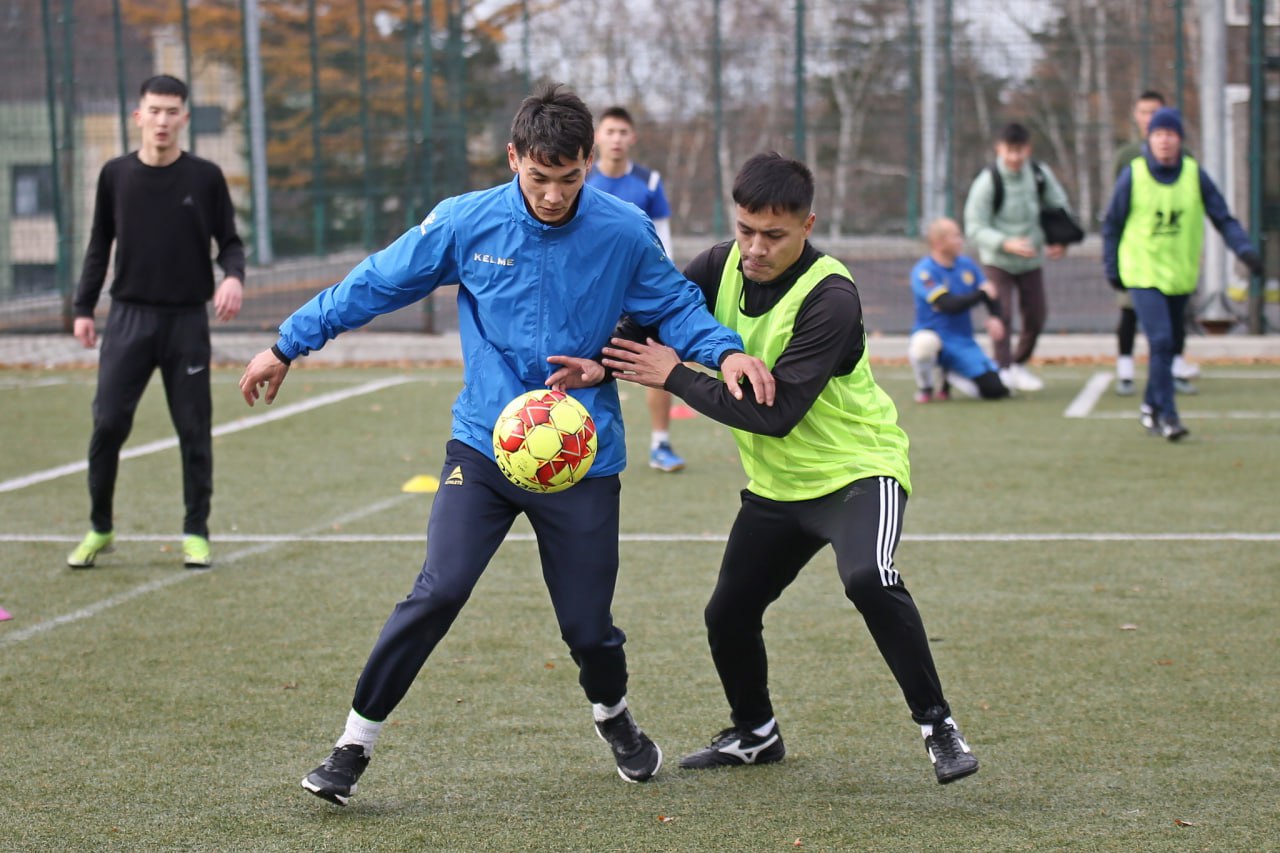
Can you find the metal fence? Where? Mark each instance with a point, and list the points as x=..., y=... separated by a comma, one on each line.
x=340, y=123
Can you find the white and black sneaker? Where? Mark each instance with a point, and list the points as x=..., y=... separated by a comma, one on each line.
x=637, y=756
x=949, y=753
x=335, y=780
x=735, y=747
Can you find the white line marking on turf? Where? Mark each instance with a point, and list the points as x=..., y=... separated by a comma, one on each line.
x=1185, y=415
x=365, y=538
x=1089, y=395
x=237, y=425
x=91, y=610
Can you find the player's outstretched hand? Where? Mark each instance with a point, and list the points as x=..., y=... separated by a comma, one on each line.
x=263, y=369
x=740, y=366
x=574, y=373
x=648, y=363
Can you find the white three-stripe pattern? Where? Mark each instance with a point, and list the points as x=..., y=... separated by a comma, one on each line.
x=887, y=533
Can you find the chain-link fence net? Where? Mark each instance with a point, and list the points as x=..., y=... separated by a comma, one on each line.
x=372, y=110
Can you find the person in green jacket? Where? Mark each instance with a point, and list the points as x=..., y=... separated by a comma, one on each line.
x=826, y=462
x=1004, y=224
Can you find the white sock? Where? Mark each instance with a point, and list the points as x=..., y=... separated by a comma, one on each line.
x=361, y=731
x=926, y=729
x=659, y=437
x=607, y=712
x=766, y=729
x=1124, y=367
x=923, y=370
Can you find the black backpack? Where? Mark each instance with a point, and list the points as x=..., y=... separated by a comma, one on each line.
x=1060, y=228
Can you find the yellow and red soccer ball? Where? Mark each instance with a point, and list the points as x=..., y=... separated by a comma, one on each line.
x=544, y=441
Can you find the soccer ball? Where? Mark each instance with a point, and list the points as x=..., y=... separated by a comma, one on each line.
x=544, y=441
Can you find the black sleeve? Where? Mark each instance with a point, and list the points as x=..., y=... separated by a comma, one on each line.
x=705, y=270
x=230, y=246
x=96, y=255
x=950, y=303
x=827, y=341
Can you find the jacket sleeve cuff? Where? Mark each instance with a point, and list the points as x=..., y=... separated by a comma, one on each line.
x=279, y=353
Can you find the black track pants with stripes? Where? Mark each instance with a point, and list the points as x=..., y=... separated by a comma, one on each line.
x=770, y=543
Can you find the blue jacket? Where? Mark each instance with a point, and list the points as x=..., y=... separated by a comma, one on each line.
x=1215, y=207
x=527, y=290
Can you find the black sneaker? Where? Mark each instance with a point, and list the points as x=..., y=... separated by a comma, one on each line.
x=1172, y=429
x=949, y=753
x=335, y=780
x=734, y=747
x=638, y=757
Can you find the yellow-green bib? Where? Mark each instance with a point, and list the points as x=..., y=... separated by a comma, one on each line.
x=1160, y=246
x=851, y=431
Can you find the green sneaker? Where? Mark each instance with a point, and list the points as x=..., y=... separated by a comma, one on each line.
x=195, y=552
x=93, y=544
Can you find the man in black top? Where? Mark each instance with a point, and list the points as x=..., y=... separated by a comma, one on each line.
x=827, y=462
x=161, y=207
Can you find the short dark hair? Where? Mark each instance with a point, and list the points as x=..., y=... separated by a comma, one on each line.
x=553, y=126
x=617, y=112
x=1152, y=95
x=1014, y=134
x=163, y=84
x=772, y=182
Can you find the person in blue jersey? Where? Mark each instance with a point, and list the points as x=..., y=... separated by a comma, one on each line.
x=616, y=174
x=545, y=268
x=946, y=285
x=1151, y=241
x=826, y=464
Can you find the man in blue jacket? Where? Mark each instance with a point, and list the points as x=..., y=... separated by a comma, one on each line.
x=545, y=268
x=1151, y=241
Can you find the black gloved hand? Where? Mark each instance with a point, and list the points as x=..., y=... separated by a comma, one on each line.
x=1253, y=261
x=1116, y=283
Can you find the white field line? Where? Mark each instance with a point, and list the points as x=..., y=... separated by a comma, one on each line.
x=1193, y=416
x=237, y=425
x=1089, y=395
x=18, y=385
x=180, y=575
x=374, y=538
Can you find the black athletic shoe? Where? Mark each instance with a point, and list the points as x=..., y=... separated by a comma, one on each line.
x=949, y=753
x=1172, y=429
x=335, y=780
x=734, y=747
x=638, y=757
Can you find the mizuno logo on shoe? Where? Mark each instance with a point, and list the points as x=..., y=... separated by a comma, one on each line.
x=747, y=756
x=455, y=479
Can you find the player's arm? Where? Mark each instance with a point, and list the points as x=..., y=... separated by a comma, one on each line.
x=1233, y=233
x=827, y=341
x=96, y=256
x=1113, y=227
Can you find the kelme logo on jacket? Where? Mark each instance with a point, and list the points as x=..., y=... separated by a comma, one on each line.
x=480, y=257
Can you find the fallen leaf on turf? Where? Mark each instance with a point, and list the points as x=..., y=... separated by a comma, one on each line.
x=796, y=843
x=662, y=818
x=289, y=685
x=548, y=665
x=1177, y=821
x=1128, y=626
x=1164, y=662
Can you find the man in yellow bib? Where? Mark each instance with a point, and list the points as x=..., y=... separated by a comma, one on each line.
x=827, y=462
x=1151, y=238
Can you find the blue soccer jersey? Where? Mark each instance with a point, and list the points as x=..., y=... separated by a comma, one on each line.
x=929, y=281
x=640, y=186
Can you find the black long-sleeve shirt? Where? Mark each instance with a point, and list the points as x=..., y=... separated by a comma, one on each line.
x=827, y=341
x=162, y=220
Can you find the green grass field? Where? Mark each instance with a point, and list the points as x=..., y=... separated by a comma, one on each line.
x=1102, y=605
